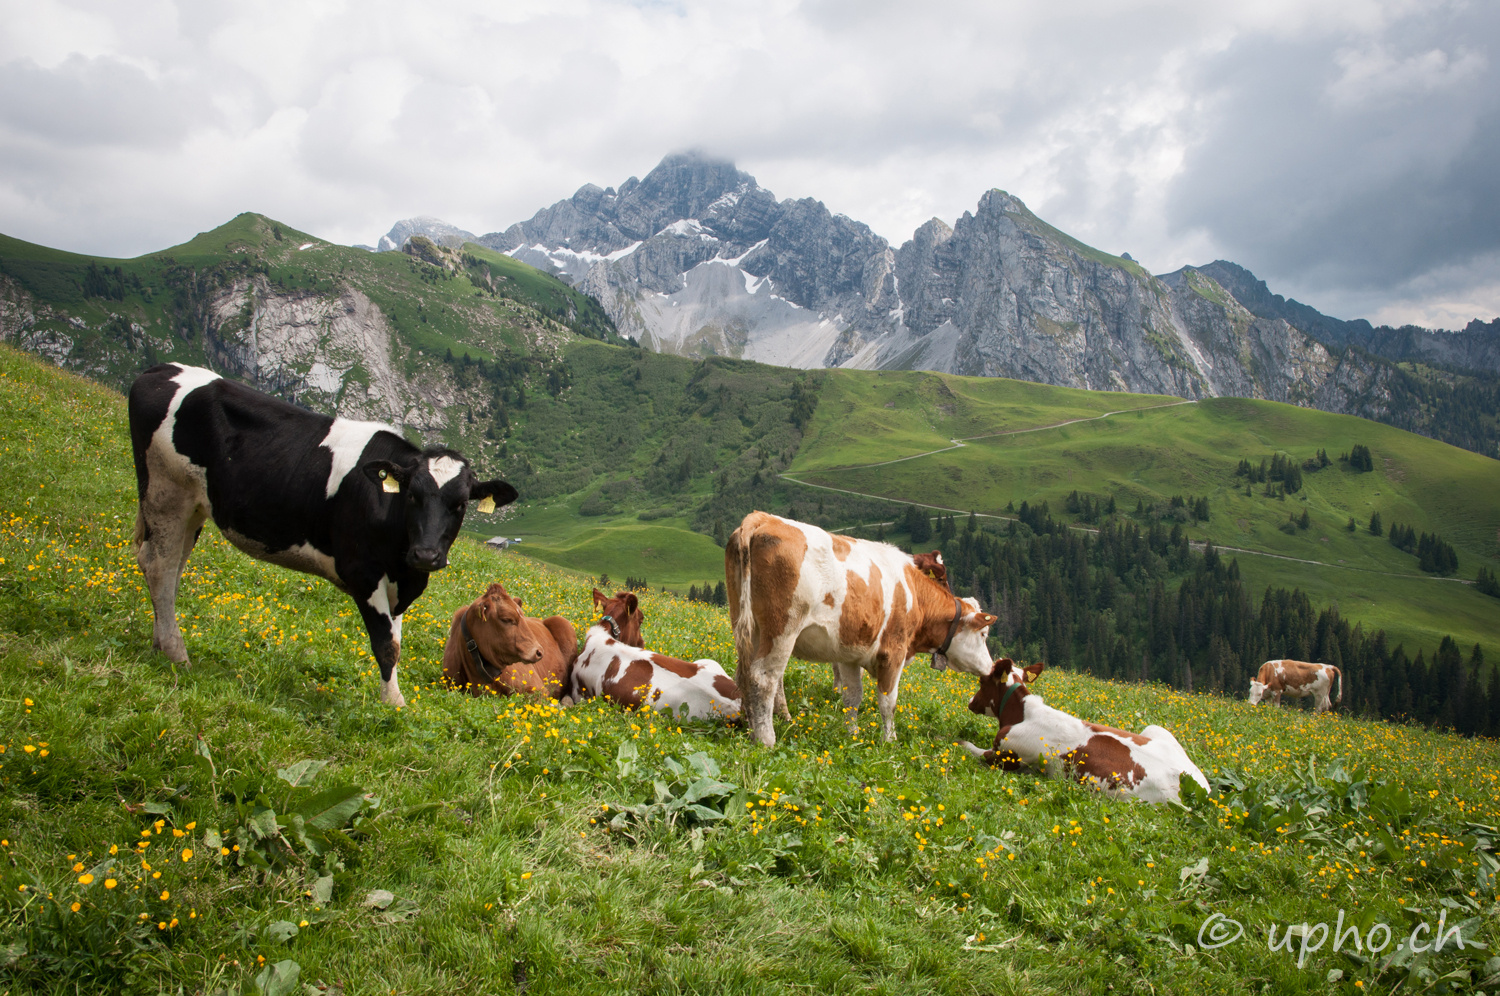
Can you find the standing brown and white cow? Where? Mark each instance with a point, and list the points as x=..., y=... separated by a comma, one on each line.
x=856, y=604
x=1298, y=679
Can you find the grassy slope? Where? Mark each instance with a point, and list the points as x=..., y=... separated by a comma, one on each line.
x=846, y=864
x=664, y=553
x=1159, y=452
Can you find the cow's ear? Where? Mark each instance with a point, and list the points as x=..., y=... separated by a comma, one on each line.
x=598, y=597
x=390, y=476
x=631, y=602
x=983, y=619
x=497, y=491
x=938, y=556
x=1001, y=665
x=1032, y=670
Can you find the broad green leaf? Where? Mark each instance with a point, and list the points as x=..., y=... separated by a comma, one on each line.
x=263, y=823
x=332, y=808
x=322, y=890
x=278, y=979
x=703, y=764
x=281, y=931
x=708, y=788
x=302, y=773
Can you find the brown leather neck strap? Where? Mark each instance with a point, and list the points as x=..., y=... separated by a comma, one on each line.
x=473, y=648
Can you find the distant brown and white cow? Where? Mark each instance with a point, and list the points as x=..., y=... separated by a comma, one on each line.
x=614, y=665
x=1298, y=679
x=1034, y=735
x=493, y=646
x=856, y=604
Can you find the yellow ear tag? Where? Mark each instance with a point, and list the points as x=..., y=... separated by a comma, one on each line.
x=389, y=484
x=486, y=504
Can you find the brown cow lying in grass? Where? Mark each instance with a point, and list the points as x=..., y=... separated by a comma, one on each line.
x=494, y=647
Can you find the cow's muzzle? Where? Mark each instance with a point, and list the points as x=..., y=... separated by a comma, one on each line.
x=426, y=560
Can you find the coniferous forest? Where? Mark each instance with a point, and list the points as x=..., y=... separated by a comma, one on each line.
x=1108, y=602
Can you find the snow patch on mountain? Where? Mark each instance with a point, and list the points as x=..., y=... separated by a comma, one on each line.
x=722, y=310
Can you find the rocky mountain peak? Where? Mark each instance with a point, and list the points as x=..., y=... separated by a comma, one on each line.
x=436, y=229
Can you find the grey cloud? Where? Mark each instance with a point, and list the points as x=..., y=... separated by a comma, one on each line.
x=99, y=101
x=1302, y=181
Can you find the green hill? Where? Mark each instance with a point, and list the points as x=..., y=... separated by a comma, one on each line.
x=1159, y=448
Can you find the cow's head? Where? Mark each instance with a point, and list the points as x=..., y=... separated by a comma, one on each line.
x=967, y=651
x=494, y=620
x=1002, y=690
x=931, y=564
x=435, y=488
x=625, y=610
x=1257, y=691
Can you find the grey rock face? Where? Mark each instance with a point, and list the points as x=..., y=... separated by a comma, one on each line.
x=696, y=258
x=435, y=229
x=800, y=274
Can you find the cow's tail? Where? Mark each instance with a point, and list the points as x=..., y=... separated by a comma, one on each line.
x=737, y=576
x=1338, y=676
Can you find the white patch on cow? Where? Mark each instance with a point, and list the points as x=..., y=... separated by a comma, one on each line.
x=303, y=557
x=444, y=469
x=693, y=697
x=188, y=380
x=346, y=440
x=381, y=599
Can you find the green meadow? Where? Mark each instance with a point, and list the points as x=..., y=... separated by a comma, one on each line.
x=257, y=822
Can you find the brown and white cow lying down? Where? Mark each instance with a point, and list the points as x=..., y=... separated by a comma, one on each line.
x=1298, y=679
x=612, y=664
x=1032, y=735
x=856, y=604
x=493, y=646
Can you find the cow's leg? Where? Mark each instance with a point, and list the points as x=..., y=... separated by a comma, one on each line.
x=974, y=751
x=384, y=628
x=850, y=677
x=167, y=524
x=782, y=712
x=759, y=682
x=888, y=685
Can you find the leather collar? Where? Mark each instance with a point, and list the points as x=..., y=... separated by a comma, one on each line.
x=612, y=623
x=491, y=673
x=958, y=614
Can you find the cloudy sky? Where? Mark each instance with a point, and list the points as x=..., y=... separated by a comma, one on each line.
x=1347, y=151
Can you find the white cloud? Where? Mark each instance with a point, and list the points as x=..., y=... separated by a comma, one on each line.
x=1338, y=149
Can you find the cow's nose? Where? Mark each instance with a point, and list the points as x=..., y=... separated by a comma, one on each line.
x=426, y=560
x=537, y=655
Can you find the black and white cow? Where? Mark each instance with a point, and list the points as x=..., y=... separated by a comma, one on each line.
x=349, y=501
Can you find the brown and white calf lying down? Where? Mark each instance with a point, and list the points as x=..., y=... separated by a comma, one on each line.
x=1298, y=679
x=614, y=665
x=1034, y=735
x=493, y=646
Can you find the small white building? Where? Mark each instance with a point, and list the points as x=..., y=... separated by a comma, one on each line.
x=498, y=543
